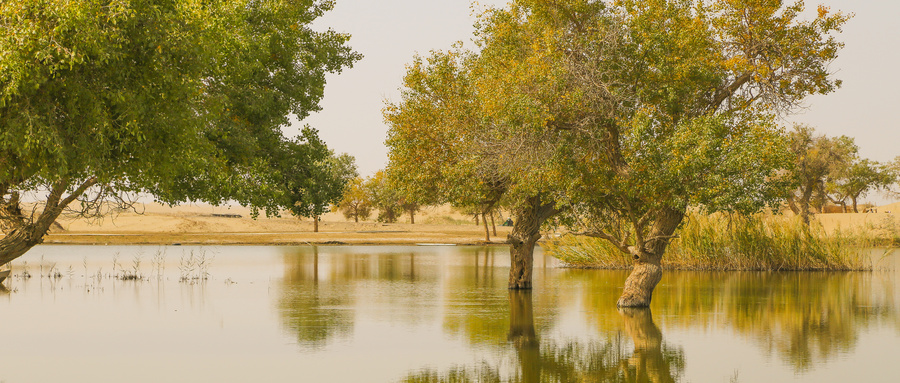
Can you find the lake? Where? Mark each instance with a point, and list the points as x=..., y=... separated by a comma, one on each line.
x=427, y=314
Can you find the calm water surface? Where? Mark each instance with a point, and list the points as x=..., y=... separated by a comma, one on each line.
x=426, y=314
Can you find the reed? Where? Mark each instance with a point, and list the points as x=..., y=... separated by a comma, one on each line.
x=195, y=266
x=734, y=242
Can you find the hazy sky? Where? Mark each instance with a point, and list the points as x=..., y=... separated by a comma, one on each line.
x=390, y=32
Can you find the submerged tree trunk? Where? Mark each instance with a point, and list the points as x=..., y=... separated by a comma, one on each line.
x=525, y=233
x=647, y=271
x=23, y=233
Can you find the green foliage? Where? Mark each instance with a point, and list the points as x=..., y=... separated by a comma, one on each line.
x=680, y=113
x=626, y=112
x=356, y=202
x=313, y=178
x=736, y=242
x=816, y=160
x=384, y=196
x=436, y=155
x=180, y=99
x=858, y=178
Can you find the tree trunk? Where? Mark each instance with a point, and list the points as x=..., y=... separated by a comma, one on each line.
x=523, y=336
x=647, y=256
x=525, y=234
x=853, y=198
x=487, y=233
x=24, y=233
x=793, y=205
x=493, y=226
x=412, y=216
x=316, y=224
x=804, y=205
x=476, y=219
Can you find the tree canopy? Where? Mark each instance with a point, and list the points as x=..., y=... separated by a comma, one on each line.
x=623, y=114
x=180, y=99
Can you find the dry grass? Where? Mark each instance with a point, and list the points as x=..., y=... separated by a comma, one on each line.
x=718, y=242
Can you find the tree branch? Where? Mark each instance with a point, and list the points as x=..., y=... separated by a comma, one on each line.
x=722, y=94
x=621, y=245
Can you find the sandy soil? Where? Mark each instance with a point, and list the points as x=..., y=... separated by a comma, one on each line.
x=203, y=224
x=852, y=221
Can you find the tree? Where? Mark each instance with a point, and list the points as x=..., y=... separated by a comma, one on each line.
x=893, y=169
x=384, y=197
x=177, y=99
x=626, y=114
x=357, y=200
x=816, y=158
x=674, y=105
x=858, y=178
x=309, y=191
x=457, y=133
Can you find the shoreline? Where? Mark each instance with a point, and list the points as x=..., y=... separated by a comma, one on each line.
x=423, y=235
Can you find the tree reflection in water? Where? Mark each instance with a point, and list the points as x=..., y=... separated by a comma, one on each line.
x=649, y=360
x=320, y=292
x=802, y=320
x=312, y=311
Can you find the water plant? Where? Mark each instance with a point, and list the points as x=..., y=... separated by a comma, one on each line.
x=195, y=266
x=158, y=264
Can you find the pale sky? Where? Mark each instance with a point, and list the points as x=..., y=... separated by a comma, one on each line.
x=390, y=32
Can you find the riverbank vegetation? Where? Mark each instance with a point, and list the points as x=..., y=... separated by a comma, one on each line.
x=742, y=242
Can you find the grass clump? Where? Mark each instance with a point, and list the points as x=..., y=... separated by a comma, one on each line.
x=734, y=242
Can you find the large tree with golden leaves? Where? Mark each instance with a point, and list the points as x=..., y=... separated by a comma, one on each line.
x=619, y=114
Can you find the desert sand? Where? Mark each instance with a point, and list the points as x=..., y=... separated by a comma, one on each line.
x=204, y=224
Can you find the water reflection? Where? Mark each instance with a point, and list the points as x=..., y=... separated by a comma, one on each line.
x=804, y=318
x=324, y=294
x=522, y=335
x=434, y=314
x=650, y=359
x=315, y=312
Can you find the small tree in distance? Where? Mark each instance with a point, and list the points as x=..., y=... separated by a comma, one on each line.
x=858, y=178
x=815, y=159
x=357, y=201
x=384, y=196
x=311, y=192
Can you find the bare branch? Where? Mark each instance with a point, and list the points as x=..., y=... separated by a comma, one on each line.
x=621, y=245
